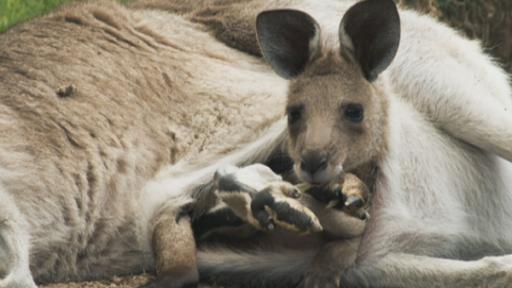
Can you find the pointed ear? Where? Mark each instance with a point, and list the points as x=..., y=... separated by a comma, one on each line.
x=371, y=31
x=287, y=38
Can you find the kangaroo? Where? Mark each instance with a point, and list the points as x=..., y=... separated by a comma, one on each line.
x=98, y=149
x=411, y=96
x=111, y=117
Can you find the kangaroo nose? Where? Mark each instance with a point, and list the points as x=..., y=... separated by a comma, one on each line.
x=313, y=163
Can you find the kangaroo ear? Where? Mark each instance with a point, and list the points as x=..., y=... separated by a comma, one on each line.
x=287, y=40
x=371, y=31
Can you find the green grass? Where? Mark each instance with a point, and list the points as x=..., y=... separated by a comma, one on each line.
x=13, y=12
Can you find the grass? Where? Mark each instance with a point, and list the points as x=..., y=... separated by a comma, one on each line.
x=13, y=12
x=16, y=11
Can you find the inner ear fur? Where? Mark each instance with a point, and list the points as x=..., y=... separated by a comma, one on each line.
x=370, y=31
x=287, y=38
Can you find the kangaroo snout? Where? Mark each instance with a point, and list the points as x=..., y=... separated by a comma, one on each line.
x=313, y=162
x=314, y=168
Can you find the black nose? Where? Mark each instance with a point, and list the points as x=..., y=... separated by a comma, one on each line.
x=313, y=163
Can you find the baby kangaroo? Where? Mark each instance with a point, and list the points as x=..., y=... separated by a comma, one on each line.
x=258, y=223
x=337, y=116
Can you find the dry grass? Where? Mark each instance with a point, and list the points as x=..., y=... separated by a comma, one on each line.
x=116, y=282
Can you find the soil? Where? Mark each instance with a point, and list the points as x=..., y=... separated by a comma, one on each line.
x=115, y=282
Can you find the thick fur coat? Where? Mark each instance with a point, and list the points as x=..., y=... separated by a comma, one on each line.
x=145, y=89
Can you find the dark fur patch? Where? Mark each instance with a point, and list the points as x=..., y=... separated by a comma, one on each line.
x=280, y=163
x=326, y=195
x=210, y=221
x=66, y=91
x=286, y=213
x=230, y=184
x=262, y=199
x=205, y=199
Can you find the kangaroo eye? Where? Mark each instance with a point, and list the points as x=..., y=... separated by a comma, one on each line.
x=354, y=113
x=295, y=114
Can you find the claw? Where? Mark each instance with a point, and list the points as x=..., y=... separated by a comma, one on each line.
x=354, y=201
x=296, y=194
x=264, y=220
x=271, y=226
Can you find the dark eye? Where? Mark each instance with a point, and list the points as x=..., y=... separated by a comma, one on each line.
x=295, y=114
x=354, y=113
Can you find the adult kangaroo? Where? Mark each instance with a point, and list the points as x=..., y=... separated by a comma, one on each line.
x=434, y=119
x=95, y=100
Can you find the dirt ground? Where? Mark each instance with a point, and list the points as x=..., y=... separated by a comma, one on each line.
x=115, y=282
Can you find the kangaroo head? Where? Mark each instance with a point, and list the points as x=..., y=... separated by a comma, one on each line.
x=337, y=108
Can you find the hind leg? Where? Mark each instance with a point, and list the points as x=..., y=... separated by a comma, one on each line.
x=174, y=250
x=14, y=246
x=330, y=262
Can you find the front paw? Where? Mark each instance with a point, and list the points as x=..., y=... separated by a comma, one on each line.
x=260, y=197
x=349, y=194
x=278, y=204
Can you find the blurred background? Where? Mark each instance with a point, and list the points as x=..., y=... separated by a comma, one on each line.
x=488, y=20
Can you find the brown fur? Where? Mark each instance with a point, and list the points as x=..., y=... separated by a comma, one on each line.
x=232, y=24
x=74, y=166
x=328, y=84
x=175, y=250
x=97, y=98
